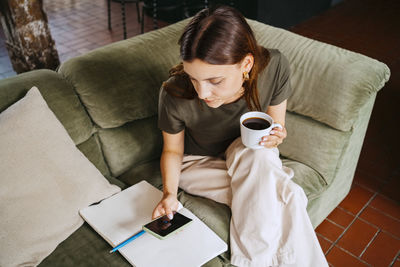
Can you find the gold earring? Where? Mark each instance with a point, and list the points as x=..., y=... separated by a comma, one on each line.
x=246, y=76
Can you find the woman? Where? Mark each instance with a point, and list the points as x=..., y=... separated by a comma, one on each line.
x=224, y=74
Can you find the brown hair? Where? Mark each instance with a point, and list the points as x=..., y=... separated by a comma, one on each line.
x=221, y=36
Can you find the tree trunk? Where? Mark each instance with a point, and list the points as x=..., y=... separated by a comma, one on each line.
x=28, y=39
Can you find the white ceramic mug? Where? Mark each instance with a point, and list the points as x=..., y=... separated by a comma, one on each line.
x=251, y=138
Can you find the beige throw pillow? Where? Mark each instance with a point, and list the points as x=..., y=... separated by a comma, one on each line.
x=44, y=181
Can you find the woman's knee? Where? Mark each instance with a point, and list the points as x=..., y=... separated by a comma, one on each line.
x=265, y=153
x=237, y=152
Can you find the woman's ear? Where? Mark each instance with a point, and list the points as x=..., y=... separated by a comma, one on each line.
x=247, y=63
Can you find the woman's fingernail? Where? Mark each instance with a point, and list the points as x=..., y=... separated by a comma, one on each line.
x=170, y=216
x=272, y=132
x=262, y=143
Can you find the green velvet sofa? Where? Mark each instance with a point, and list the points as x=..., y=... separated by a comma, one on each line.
x=107, y=101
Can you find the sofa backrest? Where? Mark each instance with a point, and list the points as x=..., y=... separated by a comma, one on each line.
x=119, y=84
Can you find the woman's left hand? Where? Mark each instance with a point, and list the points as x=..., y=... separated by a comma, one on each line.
x=275, y=138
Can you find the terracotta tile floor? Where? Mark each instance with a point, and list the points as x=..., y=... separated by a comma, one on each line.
x=364, y=230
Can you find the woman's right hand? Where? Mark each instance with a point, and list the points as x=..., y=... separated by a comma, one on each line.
x=166, y=206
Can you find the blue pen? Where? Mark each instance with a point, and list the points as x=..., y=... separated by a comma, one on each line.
x=127, y=241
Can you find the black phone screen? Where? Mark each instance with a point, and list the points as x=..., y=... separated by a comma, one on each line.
x=163, y=226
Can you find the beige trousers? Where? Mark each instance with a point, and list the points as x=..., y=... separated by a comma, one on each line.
x=269, y=225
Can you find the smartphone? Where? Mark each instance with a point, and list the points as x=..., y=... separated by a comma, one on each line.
x=163, y=227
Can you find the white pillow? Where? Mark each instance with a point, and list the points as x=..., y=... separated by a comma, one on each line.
x=44, y=181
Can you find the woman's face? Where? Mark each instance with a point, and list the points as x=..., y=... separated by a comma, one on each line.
x=218, y=84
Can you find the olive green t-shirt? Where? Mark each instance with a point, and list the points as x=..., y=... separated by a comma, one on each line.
x=209, y=131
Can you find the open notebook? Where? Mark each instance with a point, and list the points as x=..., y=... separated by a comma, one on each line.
x=122, y=215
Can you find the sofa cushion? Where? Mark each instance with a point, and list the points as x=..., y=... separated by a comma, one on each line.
x=330, y=84
x=92, y=150
x=85, y=247
x=119, y=83
x=45, y=181
x=150, y=171
x=132, y=144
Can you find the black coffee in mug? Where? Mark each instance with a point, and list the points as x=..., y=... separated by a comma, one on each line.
x=256, y=123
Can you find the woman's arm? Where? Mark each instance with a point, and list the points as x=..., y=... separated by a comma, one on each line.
x=171, y=162
x=278, y=113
